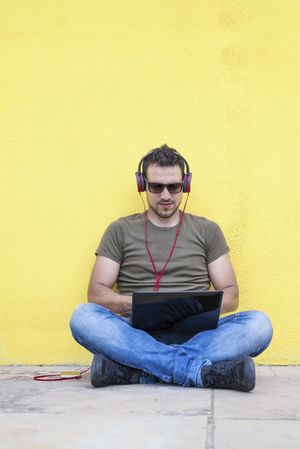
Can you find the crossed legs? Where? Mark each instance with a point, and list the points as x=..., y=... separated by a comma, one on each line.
x=101, y=331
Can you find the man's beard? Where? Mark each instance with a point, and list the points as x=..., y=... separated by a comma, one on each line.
x=164, y=213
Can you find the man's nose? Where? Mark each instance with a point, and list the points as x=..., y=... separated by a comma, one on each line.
x=165, y=194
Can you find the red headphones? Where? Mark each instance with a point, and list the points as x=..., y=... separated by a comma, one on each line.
x=141, y=182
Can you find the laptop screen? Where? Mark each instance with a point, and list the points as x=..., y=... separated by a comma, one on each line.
x=186, y=312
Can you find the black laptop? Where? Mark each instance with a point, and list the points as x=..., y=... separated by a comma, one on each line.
x=175, y=317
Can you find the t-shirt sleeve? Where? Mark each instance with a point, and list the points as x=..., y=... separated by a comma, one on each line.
x=215, y=243
x=111, y=244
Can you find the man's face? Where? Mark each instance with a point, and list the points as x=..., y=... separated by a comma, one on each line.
x=164, y=204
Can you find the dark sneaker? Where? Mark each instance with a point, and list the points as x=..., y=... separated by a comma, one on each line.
x=105, y=371
x=238, y=374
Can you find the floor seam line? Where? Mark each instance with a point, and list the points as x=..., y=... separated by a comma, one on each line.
x=258, y=419
x=273, y=371
x=210, y=433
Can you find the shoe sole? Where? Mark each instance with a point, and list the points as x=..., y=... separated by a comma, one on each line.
x=96, y=371
x=250, y=375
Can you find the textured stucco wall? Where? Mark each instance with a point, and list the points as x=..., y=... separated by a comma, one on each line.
x=87, y=87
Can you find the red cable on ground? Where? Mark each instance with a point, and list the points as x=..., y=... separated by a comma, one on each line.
x=64, y=375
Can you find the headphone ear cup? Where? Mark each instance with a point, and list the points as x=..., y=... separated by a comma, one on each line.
x=141, y=184
x=187, y=183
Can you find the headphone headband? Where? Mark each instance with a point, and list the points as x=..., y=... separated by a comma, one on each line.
x=179, y=155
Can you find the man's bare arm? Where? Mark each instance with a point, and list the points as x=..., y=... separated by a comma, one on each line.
x=222, y=277
x=103, y=278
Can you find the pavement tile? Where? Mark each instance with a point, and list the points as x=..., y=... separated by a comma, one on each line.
x=264, y=371
x=21, y=394
x=249, y=434
x=74, y=415
x=94, y=431
x=286, y=371
x=274, y=397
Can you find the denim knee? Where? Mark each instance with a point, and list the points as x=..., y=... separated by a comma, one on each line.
x=81, y=317
x=261, y=328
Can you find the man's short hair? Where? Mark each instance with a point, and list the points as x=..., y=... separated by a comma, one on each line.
x=163, y=156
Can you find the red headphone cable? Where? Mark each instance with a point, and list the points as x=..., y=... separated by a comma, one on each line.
x=158, y=276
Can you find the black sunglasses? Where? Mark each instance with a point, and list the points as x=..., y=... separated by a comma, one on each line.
x=155, y=187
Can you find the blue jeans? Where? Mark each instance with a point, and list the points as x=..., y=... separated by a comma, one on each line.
x=101, y=331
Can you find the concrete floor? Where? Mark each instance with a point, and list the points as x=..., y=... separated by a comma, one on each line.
x=74, y=415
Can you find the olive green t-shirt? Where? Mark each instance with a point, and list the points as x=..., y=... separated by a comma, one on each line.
x=200, y=242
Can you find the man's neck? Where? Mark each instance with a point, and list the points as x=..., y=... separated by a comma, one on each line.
x=167, y=222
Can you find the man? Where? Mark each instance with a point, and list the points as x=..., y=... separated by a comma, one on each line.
x=168, y=250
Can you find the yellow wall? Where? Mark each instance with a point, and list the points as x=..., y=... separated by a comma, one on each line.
x=87, y=87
